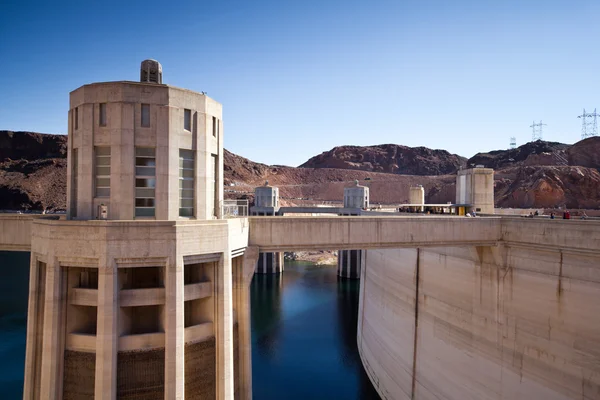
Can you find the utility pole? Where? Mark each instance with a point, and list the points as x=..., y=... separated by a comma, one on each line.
x=589, y=124
x=537, y=131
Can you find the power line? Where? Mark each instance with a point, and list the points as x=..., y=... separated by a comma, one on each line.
x=537, y=131
x=589, y=124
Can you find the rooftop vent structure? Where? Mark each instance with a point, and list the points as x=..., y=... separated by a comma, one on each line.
x=151, y=71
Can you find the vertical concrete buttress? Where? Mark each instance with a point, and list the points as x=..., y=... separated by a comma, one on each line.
x=52, y=330
x=105, y=387
x=224, y=328
x=175, y=331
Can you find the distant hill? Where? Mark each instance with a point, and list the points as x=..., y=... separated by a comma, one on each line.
x=33, y=174
x=31, y=146
x=389, y=158
x=585, y=153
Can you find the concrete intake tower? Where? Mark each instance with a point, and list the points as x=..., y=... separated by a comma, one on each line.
x=141, y=291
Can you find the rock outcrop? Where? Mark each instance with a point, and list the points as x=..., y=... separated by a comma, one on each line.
x=31, y=146
x=548, y=187
x=585, y=153
x=389, y=158
x=547, y=153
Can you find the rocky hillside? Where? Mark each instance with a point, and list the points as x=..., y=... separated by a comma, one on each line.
x=585, y=153
x=31, y=146
x=33, y=176
x=547, y=187
x=32, y=171
x=389, y=158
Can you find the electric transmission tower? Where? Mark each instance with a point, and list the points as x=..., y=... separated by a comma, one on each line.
x=513, y=142
x=589, y=124
x=537, y=131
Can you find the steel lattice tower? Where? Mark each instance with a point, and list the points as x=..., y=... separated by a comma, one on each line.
x=536, y=131
x=589, y=124
x=513, y=142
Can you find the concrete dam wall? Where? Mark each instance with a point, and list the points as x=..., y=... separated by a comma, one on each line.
x=506, y=322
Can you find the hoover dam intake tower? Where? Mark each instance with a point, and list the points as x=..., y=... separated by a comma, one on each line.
x=133, y=295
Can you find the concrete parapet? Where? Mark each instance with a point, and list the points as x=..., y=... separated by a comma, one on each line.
x=349, y=233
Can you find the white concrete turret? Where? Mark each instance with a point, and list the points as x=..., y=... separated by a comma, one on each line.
x=416, y=195
x=356, y=196
x=266, y=196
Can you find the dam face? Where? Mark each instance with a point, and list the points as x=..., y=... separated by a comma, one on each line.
x=506, y=322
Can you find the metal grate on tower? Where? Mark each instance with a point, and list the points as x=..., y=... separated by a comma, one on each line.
x=589, y=124
x=537, y=131
x=513, y=142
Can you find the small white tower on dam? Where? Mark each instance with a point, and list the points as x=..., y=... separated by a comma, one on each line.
x=349, y=261
x=266, y=203
x=266, y=196
x=133, y=296
x=416, y=195
x=475, y=187
x=356, y=196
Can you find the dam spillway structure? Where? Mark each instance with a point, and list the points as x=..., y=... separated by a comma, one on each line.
x=349, y=261
x=266, y=203
x=141, y=291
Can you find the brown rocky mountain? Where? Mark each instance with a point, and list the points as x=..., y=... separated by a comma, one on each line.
x=585, y=153
x=31, y=146
x=33, y=176
x=547, y=187
x=389, y=158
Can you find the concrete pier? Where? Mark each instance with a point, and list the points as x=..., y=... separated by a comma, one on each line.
x=350, y=261
x=266, y=203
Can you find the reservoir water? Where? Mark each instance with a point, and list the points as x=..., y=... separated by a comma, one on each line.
x=303, y=333
x=304, y=336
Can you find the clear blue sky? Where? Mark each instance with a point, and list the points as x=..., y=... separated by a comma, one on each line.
x=299, y=77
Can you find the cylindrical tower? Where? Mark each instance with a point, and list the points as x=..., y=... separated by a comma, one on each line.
x=131, y=298
x=144, y=150
x=266, y=196
x=416, y=195
x=356, y=196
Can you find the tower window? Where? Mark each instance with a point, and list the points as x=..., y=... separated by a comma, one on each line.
x=102, y=180
x=145, y=115
x=145, y=181
x=102, y=114
x=186, y=183
x=187, y=120
x=74, y=180
x=214, y=130
x=76, y=118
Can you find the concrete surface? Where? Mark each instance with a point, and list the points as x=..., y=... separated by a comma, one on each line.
x=515, y=321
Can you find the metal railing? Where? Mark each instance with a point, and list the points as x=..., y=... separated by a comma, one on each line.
x=235, y=208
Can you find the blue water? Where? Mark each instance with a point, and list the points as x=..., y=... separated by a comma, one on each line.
x=303, y=333
x=14, y=288
x=304, y=336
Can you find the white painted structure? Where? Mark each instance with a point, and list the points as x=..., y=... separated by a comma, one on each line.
x=475, y=187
